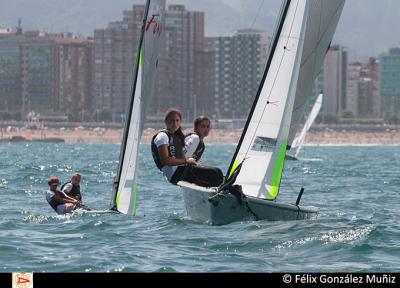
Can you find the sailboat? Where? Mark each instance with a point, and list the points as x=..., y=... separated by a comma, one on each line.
x=299, y=140
x=301, y=40
x=125, y=186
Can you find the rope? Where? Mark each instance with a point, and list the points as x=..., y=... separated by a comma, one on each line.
x=272, y=89
x=258, y=13
x=249, y=209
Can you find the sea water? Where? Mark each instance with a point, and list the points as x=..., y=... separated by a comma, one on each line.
x=356, y=188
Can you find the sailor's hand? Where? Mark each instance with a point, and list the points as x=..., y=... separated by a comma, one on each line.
x=191, y=161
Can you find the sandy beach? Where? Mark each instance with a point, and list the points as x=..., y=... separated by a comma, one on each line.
x=102, y=135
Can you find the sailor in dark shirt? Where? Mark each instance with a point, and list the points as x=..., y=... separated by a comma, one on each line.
x=73, y=188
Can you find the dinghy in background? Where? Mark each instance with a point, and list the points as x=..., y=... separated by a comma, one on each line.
x=299, y=140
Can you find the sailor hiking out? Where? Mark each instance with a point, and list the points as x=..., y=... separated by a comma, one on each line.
x=58, y=200
x=167, y=148
x=72, y=188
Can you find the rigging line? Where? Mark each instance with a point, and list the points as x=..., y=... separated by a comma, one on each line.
x=312, y=52
x=320, y=36
x=273, y=46
x=276, y=76
x=326, y=29
x=320, y=39
x=258, y=13
x=144, y=75
x=148, y=167
x=286, y=181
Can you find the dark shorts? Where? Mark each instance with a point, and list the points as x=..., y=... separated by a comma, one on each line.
x=205, y=176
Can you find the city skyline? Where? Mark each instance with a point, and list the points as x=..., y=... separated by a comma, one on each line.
x=366, y=27
x=196, y=69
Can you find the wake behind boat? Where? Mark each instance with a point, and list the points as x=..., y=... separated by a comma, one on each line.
x=302, y=38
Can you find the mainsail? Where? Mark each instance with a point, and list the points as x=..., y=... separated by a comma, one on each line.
x=299, y=140
x=298, y=48
x=125, y=183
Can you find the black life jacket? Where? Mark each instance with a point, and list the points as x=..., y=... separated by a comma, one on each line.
x=175, y=147
x=75, y=191
x=199, y=149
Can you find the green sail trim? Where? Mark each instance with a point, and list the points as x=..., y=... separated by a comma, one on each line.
x=141, y=57
x=134, y=195
x=273, y=191
x=118, y=199
x=234, y=167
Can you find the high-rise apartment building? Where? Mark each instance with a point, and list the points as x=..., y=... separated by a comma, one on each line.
x=390, y=83
x=197, y=74
x=373, y=69
x=73, y=95
x=363, y=98
x=115, y=49
x=181, y=58
x=335, y=76
x=27, y=71
x=38, y=72
x=45, y=73
x=10, y=71
x=238, y=73
x=181, y=54
x=353, y=87
x=204, y=78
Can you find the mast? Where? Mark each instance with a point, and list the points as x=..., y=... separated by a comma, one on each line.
x=130, y=108
x=285, y=8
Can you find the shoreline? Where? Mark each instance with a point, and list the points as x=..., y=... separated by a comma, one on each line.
x=223, y=136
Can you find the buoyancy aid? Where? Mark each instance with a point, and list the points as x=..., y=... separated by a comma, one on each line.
x=53, y=202
x=75, y=191
x=199, y=149
x=175, y=147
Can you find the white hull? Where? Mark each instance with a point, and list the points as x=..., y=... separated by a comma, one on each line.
x=227, y=209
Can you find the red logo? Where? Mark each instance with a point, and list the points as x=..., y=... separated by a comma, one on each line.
x=275, y=103
x=154, y=21
x=22, y=280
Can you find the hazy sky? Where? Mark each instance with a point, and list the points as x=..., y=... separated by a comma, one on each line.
x=366, y=28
